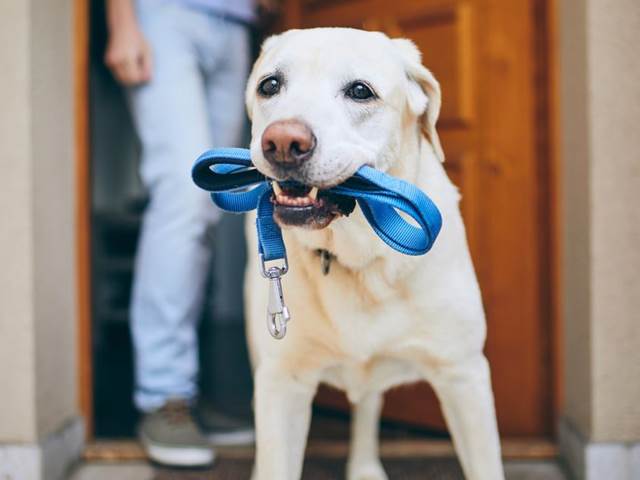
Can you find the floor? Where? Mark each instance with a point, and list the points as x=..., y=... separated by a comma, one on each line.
x=408, y=454
x=316, y=469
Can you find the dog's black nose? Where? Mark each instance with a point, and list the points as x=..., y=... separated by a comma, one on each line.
x=288, y=143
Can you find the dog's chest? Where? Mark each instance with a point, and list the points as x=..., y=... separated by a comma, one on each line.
x=371, y=340
x=379, y=373
x=370, y=316
x=368, y=312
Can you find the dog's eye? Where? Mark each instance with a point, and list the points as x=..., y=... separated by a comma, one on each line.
x=359, y=91
x=269, y=86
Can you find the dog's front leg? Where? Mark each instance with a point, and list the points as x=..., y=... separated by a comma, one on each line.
x=466, y=398
x=364, y=462
x=283, y=414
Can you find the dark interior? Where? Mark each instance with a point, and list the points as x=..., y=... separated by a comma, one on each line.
x=118, y=201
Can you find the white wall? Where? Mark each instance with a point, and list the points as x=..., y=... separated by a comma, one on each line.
x=37, y=262
x=600, y=92
x=17, y=340
x=614, y=71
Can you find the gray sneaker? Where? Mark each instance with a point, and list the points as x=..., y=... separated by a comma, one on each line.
x=224, y=430
x=171, y=437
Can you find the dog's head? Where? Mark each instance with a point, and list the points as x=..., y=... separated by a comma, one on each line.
x=323, y=102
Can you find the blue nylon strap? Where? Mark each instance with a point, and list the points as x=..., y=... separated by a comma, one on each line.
x=237, y=186
x=381, y=197
x=270, y=243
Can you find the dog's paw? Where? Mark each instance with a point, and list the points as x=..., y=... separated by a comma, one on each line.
x=371, y=470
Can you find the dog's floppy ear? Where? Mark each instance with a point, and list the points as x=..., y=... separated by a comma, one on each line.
x=424, y=92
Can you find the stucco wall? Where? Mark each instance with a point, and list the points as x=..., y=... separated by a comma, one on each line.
x=17, y=361
x=54, y=228
x=37, y=297
x=614, y=72
x=600, y=88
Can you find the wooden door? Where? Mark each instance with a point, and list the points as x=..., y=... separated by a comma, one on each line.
x=490, y=58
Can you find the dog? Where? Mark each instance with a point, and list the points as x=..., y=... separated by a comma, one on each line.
x=324, y=102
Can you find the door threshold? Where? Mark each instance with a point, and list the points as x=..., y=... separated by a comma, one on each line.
x=512, y=449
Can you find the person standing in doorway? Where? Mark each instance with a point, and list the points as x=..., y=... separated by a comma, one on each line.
x=184, y=64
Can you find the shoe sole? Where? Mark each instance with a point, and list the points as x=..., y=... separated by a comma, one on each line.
x=238, y=438
x=178, y=456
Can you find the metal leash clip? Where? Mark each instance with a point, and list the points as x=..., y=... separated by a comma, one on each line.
x=277, y=312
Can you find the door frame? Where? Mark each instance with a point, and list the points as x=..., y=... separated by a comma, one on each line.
x=549, y=70
x=545, y=15
x=83, y=210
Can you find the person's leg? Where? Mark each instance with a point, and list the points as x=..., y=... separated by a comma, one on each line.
x=173, y=255
x=224, y=412
x=226, y=79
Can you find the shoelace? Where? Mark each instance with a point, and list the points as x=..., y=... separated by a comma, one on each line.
x=176, y=411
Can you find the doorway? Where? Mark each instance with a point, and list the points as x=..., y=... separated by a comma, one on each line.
x=493, y=61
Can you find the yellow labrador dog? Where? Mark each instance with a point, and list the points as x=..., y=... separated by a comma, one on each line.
x=323, y=102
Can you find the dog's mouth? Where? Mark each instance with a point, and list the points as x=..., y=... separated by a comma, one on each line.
x=299, y=205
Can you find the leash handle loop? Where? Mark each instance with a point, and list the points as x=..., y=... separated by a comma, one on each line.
x=237, y=186
x=381, y=196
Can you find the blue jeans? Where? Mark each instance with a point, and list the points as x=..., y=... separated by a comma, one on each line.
x=193, y=102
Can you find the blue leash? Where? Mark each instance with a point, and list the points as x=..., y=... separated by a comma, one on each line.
x=227, y=172
x=237, y=186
